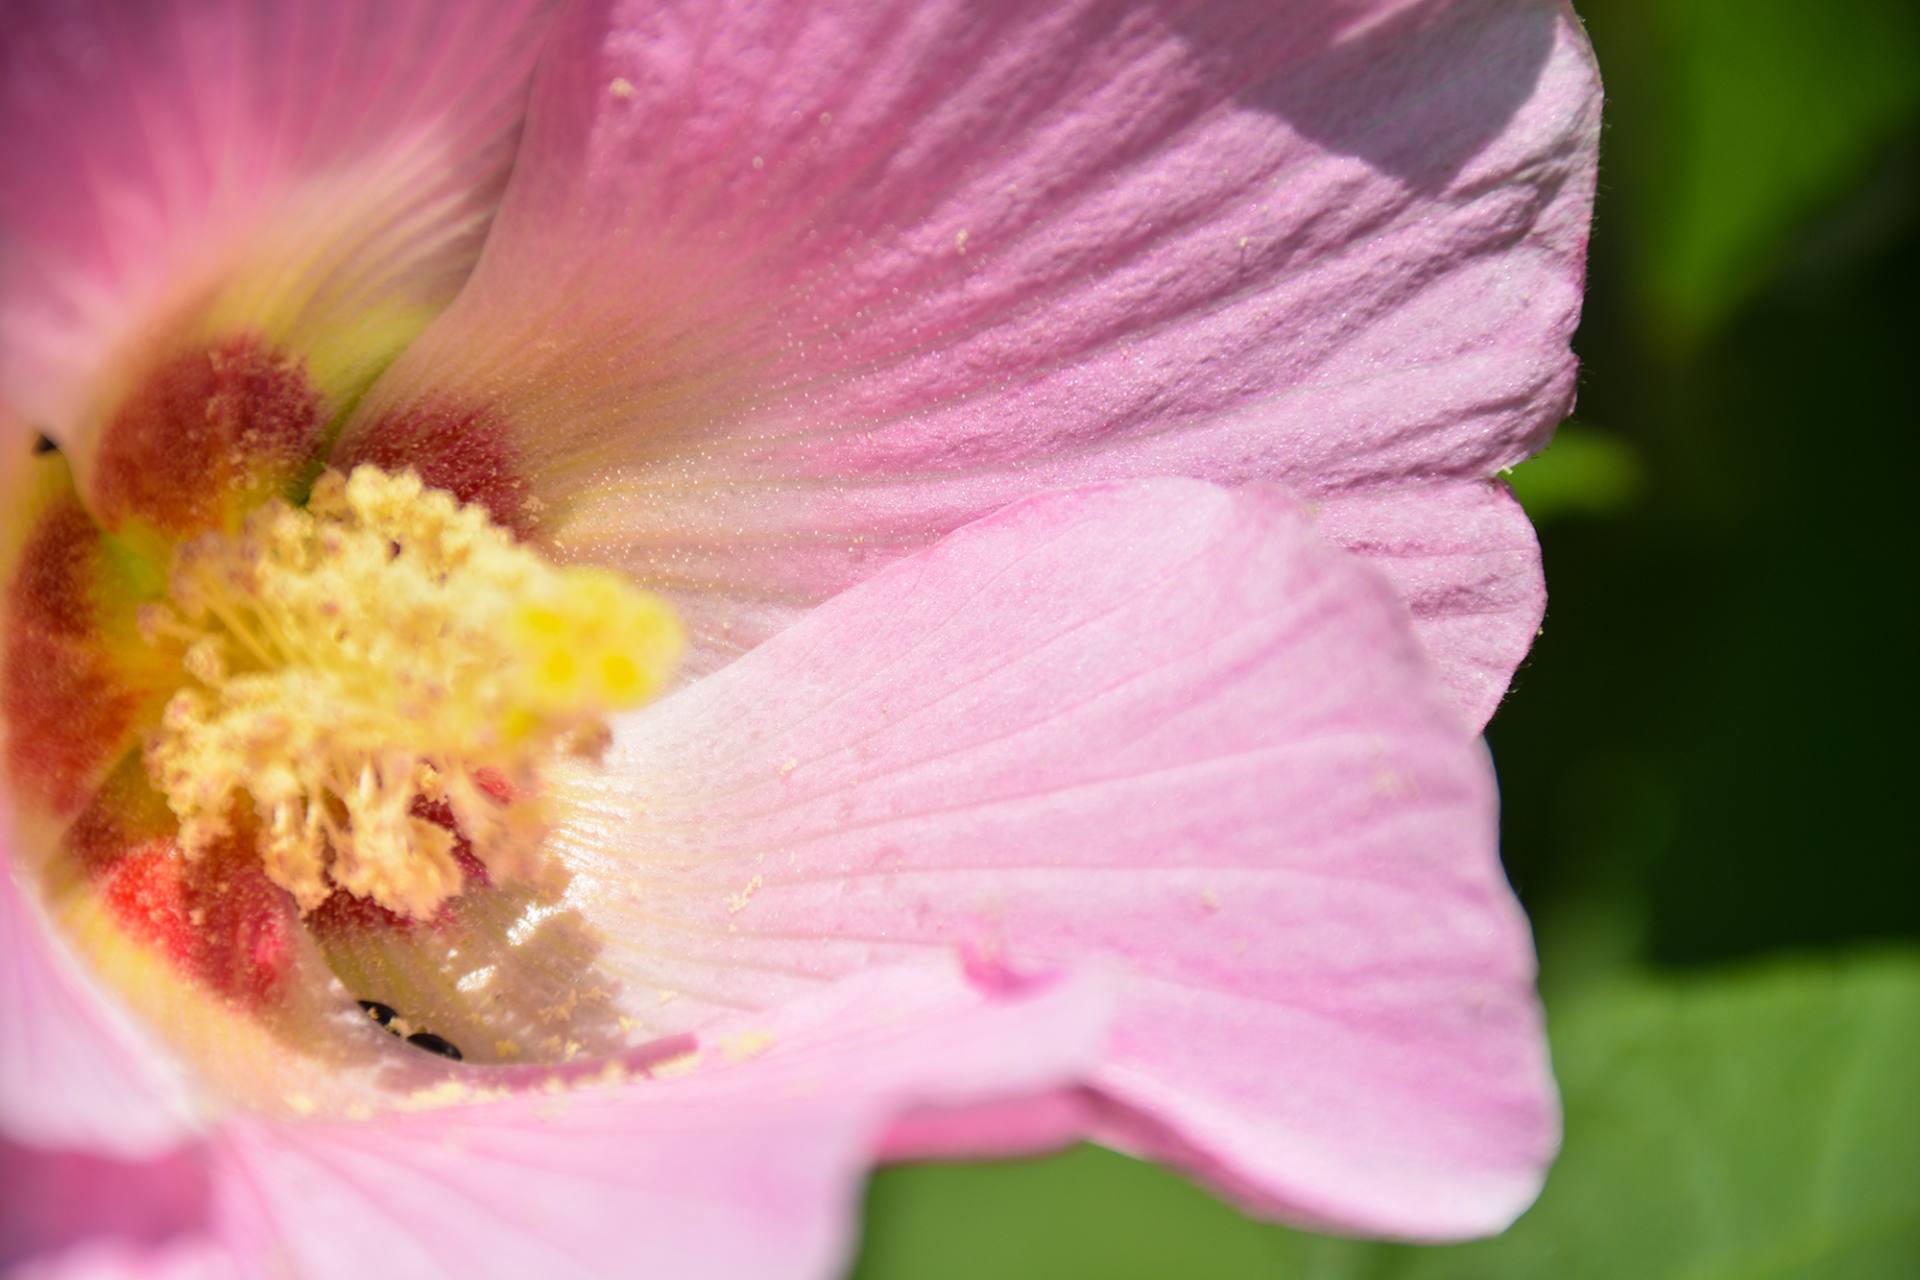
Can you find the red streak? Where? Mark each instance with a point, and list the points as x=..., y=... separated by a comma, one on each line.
x=66, y=707
x=466, y=451
x=216, y=917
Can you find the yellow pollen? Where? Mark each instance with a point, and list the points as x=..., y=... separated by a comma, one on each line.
x=386, y=643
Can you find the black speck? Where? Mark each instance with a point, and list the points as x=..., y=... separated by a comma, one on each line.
x=44, y=445
x=434, y=1044
x=380, y=1013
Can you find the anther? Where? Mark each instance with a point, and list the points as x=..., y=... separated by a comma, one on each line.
x=382, y=644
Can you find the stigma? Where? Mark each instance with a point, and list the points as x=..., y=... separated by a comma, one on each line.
x=381, y=645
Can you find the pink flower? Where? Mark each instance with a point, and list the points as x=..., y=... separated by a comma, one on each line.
x=1020, y=793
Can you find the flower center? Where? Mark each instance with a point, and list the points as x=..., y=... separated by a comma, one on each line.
x=386, y=643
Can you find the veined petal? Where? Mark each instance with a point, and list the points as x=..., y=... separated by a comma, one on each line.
x=743, y=1165
x=1463, y=555
x=1160, y=727
x=257, y=201
x=74, y=1071
x=778, y=294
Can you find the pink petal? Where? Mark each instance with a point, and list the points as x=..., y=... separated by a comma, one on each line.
x=72, y=1213
x=828, y=280
x=194, y=1260
x=73, y=1070
x=1463, y=555
x=147, y=148
x=748, y=1170
x=1161, y=728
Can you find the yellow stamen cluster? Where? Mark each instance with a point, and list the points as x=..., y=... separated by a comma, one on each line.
x=381, y=644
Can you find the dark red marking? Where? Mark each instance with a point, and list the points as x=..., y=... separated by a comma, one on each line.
x=66, y=706
x=209, y=426
x=466, y=451
x=53, y=586
x=216, y=917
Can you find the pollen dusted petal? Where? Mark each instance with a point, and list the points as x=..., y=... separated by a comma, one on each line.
x=744, y=1165
x=464, y=449
x=1160, y=728
x=781, y=293
x=510, y=972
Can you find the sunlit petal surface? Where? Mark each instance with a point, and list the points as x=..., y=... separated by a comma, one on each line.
x=781, y=292
x=1160, y=729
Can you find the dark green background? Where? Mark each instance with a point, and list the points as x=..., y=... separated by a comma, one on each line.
x=1707, y=762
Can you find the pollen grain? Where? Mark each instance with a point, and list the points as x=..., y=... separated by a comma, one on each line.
x=382, y=644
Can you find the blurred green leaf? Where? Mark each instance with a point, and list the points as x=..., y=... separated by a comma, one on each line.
x=1760, y=1127
x=1086, y=1213
x=1748, y=118
x=1585, y=471
x=1764, y=1127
